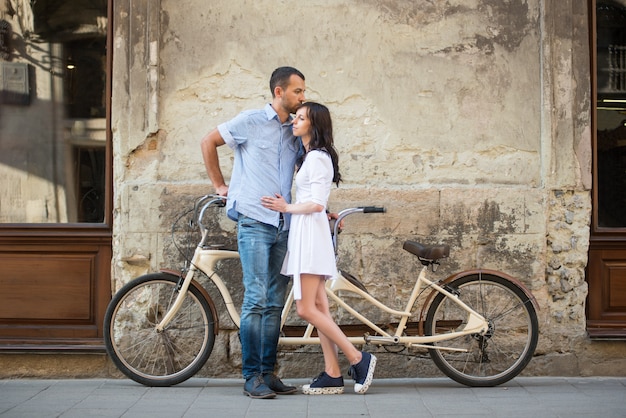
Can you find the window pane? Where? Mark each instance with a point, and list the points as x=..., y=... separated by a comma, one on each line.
x=611, y=115
x=53, y=124
x=611, y=168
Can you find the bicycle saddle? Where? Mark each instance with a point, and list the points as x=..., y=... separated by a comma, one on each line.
x=427, y=252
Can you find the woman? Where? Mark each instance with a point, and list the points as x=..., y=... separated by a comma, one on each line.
x=310, y=256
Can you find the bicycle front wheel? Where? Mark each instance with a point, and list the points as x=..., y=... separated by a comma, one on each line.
x=158, y=358
x=507, y=347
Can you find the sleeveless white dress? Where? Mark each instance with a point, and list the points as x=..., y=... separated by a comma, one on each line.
x=310, y=246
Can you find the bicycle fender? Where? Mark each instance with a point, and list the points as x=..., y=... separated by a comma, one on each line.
x=465, y=273
x=216, y=317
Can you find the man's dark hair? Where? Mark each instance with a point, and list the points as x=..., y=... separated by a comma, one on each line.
x=280, y=77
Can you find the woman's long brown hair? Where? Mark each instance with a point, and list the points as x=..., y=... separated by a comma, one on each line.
x=322, y=134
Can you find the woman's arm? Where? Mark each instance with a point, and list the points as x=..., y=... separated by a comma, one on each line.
x=320, y=173
x=274, y=203
x=279, y=204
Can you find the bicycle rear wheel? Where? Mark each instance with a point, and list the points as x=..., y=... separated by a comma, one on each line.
x=158, y=358
x=507, y=347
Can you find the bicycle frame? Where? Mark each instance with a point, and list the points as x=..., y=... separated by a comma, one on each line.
x=475, y=322
x=480, y=327
x=206, y=259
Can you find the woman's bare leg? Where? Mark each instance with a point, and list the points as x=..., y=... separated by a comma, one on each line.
x=329, y=348
x=310, y=307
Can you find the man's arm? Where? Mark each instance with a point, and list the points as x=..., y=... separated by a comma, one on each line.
x=209, y=145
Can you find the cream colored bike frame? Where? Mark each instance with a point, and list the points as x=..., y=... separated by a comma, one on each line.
x=206, y=260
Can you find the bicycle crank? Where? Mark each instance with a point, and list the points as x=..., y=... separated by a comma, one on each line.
x=381, y=340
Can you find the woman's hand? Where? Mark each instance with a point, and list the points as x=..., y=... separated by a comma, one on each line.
x=332, y=218
x=277, y=203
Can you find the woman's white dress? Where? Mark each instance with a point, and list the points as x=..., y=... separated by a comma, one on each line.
x=310, y=246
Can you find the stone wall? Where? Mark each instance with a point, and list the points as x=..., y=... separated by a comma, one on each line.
x=467, y=120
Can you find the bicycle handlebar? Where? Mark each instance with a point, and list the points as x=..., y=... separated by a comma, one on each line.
x=203, y=203
x=373, y=209
x=350, y=211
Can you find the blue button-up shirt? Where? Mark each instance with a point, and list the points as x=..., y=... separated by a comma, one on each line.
x=265, y=156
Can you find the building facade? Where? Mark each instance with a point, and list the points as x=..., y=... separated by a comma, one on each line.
x=493, y=126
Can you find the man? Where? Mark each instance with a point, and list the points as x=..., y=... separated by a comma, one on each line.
x=265, y=156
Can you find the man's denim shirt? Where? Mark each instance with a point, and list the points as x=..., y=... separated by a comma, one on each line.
x=265, y=154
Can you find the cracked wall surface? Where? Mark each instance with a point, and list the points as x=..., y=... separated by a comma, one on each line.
x=467, y=120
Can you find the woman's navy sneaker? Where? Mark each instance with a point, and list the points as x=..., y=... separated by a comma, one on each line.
x=363, y=372
x=324, y=385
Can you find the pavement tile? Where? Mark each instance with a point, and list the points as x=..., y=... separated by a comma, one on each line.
x=536, y=397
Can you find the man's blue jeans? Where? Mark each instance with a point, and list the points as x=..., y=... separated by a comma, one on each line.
x=262, y=248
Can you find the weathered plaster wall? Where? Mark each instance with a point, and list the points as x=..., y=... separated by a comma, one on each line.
x=468, y=120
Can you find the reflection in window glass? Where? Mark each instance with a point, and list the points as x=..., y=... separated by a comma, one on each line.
x=611, y=113
x=53, y=77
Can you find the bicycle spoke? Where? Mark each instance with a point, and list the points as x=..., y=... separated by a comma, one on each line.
x=504, y=350
x=158, y=358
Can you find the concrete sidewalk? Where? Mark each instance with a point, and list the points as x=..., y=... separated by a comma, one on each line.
x=433, y=397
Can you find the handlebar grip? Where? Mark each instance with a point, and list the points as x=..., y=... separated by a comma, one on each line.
x=373, y=209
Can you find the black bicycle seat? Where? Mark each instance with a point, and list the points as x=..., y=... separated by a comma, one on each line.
x=427, y=252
